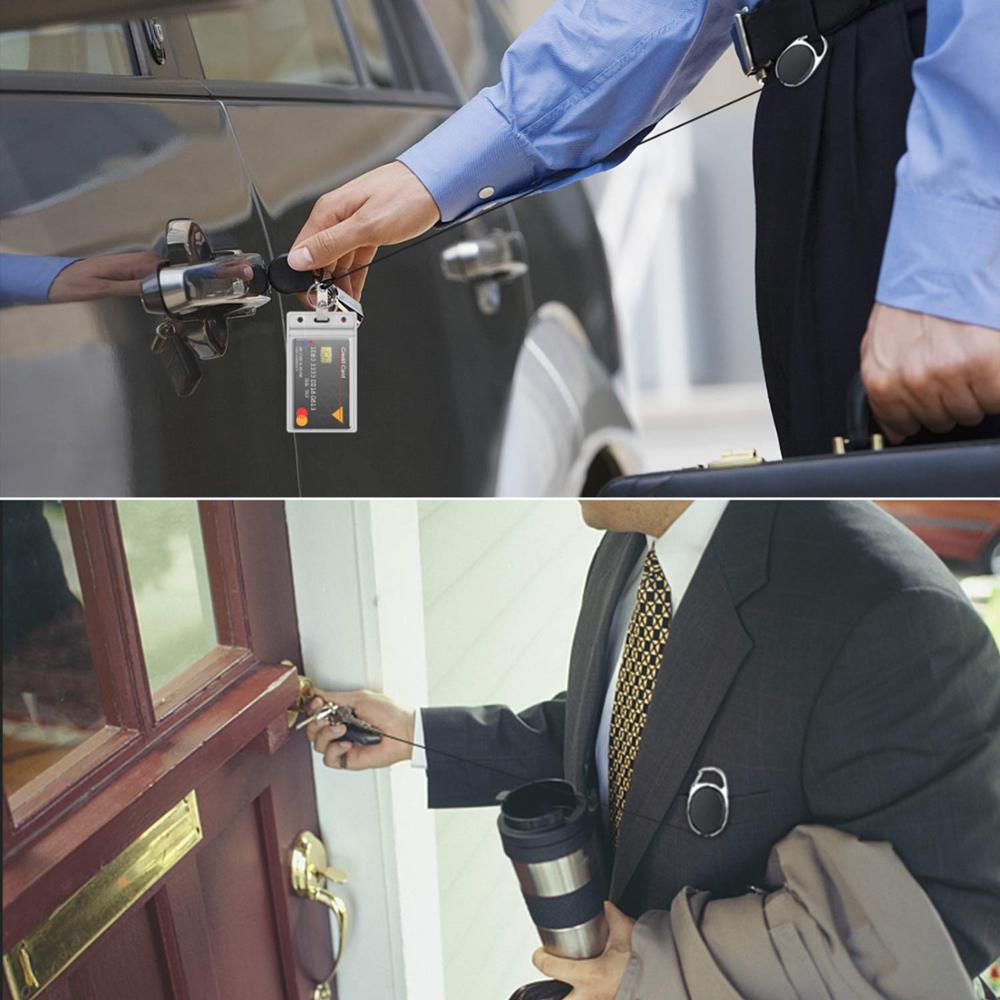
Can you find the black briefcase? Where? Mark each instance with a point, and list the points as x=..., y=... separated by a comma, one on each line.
x=860, y=466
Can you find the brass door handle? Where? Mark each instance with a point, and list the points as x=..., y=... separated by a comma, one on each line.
x=310, y=873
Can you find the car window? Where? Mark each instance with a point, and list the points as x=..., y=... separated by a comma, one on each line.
x=278, y=41
x=473, y=36
x=374, y=51
x=69, y=48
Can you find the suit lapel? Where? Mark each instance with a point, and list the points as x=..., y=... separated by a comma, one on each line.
x=589, y=665
x=702, y=657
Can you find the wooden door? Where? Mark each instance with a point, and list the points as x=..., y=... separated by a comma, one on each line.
x=152, y=787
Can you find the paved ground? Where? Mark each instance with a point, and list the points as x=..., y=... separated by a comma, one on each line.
x=696, y=427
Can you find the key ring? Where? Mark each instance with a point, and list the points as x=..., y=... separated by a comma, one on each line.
x=321, y=291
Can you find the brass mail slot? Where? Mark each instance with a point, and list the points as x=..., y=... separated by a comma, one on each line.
x=76, y=924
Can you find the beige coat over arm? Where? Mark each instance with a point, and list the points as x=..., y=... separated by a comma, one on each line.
x=842, y=920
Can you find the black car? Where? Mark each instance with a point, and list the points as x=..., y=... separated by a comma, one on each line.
x=487, y=358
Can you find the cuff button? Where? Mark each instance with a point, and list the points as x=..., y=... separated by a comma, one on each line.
x=487, y=192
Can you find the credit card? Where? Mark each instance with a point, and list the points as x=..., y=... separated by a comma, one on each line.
x=322, y=373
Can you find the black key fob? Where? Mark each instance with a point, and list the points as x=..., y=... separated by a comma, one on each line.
x=286, y=279
x=360, y=736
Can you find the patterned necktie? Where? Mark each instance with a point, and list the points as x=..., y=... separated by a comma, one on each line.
x=647, y=634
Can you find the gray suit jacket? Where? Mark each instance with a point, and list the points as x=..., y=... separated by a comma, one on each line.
x=830, y=665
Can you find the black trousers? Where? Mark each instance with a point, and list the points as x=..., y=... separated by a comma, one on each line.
x=825, y=156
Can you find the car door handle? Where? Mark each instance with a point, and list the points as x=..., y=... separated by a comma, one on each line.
x=195, y=292
x=202, y=289
x=232, y=282
x=486, y=262
x=489, y=257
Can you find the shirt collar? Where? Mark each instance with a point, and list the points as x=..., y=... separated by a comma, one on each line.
x=690, y=533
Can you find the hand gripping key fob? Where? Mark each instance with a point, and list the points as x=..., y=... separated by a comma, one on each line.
x=358, y=731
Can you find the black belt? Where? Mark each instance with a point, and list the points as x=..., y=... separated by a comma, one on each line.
x=775, y=36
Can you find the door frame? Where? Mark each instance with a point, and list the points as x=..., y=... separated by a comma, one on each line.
x=359, y=594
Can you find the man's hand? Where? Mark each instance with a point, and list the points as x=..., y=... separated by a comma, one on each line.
x=923, y=371
x=346, y=226
x=381, y=712
x=594, y=978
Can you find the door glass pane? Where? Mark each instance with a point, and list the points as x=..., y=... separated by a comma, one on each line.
x=68, y=48
x=50, y=697
x=368, y=31
x=282, y=41
x=169, y=575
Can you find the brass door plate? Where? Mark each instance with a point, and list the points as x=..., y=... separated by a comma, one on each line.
x=78, y=922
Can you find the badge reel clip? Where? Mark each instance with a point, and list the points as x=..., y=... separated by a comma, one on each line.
x=321, y=352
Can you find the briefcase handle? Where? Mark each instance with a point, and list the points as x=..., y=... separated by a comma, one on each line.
x=862, y=431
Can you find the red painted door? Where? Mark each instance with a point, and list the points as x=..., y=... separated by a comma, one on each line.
x=153, y=791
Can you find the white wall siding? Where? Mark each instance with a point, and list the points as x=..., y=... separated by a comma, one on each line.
x=502, y=583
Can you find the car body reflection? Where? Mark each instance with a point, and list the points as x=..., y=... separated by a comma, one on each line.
x=26, y=279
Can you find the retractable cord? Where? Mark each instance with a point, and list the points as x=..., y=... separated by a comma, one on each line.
x=352, y=720
x=440, y=231
x=322, y=344
x=300, y=281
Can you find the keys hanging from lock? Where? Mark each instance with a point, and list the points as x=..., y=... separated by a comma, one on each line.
x=358, y=731
x=178, y=358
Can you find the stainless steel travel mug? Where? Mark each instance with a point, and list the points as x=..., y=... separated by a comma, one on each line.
x=549, y=832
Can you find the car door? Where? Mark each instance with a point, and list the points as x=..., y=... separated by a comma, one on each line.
x=102, y=143
x=159, y=811
x=318, y=92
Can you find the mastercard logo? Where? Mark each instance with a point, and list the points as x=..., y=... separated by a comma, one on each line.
x=301, y=417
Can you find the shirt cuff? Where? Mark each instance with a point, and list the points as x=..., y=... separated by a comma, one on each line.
x=419, y=758
x=942, y=257
x=470, y=159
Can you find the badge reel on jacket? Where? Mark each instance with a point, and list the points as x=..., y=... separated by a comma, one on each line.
x=321, y=354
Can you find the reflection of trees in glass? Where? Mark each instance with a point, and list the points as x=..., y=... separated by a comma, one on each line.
x=50, y=697
x=149, y=529
x=169, y=575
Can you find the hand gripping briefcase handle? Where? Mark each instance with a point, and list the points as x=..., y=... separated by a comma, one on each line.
x=862, y=431
x=860, y=466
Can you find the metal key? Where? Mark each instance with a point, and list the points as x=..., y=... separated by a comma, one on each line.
x=358, y=731
x=325, y=712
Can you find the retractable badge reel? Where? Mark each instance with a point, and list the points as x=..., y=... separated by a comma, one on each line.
x=321, y=349
x=708, y=802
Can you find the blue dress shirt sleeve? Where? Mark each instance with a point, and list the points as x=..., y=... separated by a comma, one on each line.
x=943, y=251
x=577, y=91
x=584, y=84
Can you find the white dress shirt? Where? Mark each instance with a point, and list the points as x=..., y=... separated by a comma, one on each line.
x=679, y=550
